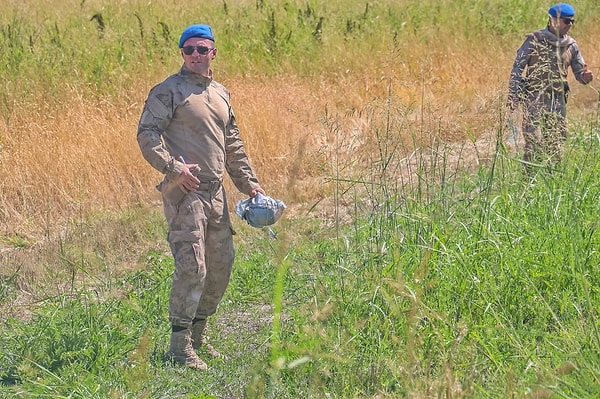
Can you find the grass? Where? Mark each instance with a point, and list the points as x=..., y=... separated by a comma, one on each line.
x=415, y=259
x=482, y=287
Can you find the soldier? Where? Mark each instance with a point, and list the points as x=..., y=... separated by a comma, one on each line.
x=188, y=132
x=543, y=89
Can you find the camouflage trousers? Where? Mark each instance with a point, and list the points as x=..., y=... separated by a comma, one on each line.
x=201, y=240
x=545, y=129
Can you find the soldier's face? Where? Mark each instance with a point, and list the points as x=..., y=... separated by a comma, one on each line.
x=198, y=54
x=563, y=24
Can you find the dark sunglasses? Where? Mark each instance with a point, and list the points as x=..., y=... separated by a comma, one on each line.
x=568, y=21
x=202, y=50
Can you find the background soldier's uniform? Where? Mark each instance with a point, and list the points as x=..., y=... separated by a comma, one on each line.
x=543, y=91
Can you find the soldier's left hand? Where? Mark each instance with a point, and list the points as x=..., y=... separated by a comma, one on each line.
x=587, y=76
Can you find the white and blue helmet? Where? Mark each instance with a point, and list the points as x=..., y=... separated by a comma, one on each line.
x=260, y=211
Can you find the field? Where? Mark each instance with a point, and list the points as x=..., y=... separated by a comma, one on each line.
x=415, y=258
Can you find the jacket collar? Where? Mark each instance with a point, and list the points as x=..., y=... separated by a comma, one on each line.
x=186, y=73
x=551, y=37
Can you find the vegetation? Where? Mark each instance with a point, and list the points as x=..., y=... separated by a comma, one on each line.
x=415, y=259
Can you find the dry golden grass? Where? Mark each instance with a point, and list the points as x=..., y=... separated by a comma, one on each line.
x=60, y=159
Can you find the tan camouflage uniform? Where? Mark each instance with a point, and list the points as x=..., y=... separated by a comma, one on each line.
x=190, y=116
x=543, y=91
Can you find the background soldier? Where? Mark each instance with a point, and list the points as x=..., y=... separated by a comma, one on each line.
x=539, y=80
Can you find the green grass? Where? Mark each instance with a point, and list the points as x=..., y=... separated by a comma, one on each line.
x=482, y=287
x=102, y=48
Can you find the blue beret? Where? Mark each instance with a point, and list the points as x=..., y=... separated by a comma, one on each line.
x=198, y=30
x=561, y=10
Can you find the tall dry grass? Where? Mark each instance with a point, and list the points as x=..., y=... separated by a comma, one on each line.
x=67, y=155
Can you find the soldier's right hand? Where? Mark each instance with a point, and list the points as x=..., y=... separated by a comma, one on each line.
x=186, y=180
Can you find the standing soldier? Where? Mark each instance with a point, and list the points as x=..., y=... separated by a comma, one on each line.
x=188, y=132
x=545, y=56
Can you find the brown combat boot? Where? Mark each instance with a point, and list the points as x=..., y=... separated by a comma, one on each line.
x=181, y=351
x=199, y=338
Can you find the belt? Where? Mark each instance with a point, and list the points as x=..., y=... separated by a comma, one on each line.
x=210, y=186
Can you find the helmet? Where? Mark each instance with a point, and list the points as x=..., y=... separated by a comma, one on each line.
x=260, y=211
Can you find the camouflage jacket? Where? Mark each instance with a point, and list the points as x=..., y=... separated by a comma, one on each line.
x=190, y=116
x=544, y=57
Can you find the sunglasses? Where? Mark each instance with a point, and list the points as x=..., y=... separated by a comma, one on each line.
x=202, y=50
x=568, y=21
